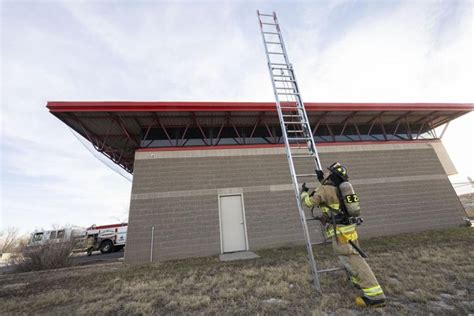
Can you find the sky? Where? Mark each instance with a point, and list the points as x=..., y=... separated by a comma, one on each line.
x=342, y=51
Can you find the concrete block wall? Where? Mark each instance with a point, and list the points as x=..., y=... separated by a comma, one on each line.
x=403, y=188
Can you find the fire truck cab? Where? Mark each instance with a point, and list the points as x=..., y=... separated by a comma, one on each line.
x=106, y=238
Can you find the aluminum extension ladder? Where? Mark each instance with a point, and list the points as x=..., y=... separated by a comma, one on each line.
x=295, y=127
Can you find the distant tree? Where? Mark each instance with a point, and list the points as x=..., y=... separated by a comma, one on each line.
x=9, y=240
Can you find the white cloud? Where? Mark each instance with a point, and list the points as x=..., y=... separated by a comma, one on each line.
x=392, y=58
x=198, y=51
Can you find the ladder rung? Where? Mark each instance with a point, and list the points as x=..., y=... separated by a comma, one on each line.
x=271, y=42
x=299, y=146
x=264, y=14
x=299, y=138
x=284, y=88
x=320, y=243
x=330, y=270
x=298, y=131
x=278, y=80
x=274, y=33
x=279, y=64
x=289, y=115
x=280, y=68
x=288, y=107
x=305, y=156
x=265, y=23
x=306, y=175
x=276, y=53
x=283, y=76
x=284, y=93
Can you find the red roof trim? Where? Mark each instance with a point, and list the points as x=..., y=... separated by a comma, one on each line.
x=125, y=106
x=355, y=143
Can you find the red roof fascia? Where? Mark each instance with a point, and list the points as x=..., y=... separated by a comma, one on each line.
x=149, y=106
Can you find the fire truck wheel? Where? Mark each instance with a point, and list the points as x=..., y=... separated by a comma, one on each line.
x=107, y=246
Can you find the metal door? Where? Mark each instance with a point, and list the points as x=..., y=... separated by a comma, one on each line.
x=232, y=218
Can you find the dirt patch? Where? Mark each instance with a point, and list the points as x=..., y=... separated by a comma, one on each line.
x=422, y=273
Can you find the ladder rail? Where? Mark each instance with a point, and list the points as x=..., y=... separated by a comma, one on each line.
x=302, y=113
x=295, y=82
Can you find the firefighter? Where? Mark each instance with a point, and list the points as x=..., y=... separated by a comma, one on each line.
x=328, y=198
x=90, y=244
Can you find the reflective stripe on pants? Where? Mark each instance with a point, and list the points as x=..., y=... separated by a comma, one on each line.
x=372, y=291
x=358, y=269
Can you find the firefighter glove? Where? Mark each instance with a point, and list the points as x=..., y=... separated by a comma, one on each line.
x=320, y=175
x=304, y=188
x=306, y=199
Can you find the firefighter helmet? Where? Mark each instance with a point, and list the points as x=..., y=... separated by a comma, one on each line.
x=339, y=170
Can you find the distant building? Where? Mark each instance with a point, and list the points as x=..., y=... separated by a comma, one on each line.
x=212, y=177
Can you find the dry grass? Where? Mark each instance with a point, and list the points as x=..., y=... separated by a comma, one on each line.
x=467, y=201
x=421, y=273
x=44, y=257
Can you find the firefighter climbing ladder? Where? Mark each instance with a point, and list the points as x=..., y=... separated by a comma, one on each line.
x=295, y=127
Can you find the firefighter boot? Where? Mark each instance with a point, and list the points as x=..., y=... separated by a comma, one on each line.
x=363, y=301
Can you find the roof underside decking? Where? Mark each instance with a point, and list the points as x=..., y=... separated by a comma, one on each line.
x=118, y=129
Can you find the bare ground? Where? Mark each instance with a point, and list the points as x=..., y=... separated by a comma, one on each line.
x=422, y=274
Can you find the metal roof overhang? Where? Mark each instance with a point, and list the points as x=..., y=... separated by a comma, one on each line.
x=117, y=129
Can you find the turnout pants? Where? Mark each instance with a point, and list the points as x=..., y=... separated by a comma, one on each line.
x=361, y=274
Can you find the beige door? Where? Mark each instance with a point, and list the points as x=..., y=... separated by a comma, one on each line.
x=233, y=232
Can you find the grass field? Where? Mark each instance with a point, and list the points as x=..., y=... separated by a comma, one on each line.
x=423, y=273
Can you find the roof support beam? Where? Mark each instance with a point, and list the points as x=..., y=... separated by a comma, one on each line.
x=107, y=151
x=196, y=122
x=333, y=137
x=357, y=130
x=444, y=130
x=218, y=137
x=160, y=123
x=270, y=133
x=259, y=119
x=383, y=128
x=420, y=130
x=321, y=118
x=408, y=128
x=432, y=131
x=88, y=133
x=147, y=132
x=120, y=123
x=372, y=122
x=107, y=135
x=237, y=133
x=184, y=134
x=347, y=120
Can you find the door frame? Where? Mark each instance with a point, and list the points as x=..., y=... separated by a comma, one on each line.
x=243, y=215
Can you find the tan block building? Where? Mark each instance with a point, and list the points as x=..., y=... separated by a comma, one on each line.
x=211, y=178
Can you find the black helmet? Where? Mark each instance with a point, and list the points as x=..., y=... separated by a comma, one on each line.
x=339, y=170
